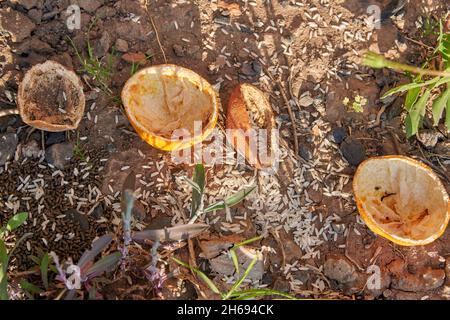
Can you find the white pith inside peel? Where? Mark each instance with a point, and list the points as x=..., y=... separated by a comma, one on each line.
x=402, y=197
x=167, y=98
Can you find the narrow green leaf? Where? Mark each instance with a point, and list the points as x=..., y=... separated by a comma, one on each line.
x=414, y=85
x=439, y=106
x=257, y=293
x=44, y=269
x=231, y=201
x=4, y=259
x=417, y=112
x=238, y=283
x=201, y=275
x=197, y=191
x=235, y=260
x=447, y=115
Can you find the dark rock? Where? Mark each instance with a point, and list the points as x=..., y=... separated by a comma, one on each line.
x=6, y=122
x=121, y=45
x=353, y=151
x=8, y=144
x=179, y=50
x=447, y=269
x=97, y=213
x=27, y=4
x=101, y=47
x=305, y=152
x=35, y=15
x=18, y=25
x=282, y=285
x=54, y=137
x=429, y=138
x=78, y=218
x=251, y=69
x=339, y=269
x=31, y=149
x=59, y=154
x=338, y=135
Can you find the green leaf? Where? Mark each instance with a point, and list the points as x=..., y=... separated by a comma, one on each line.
x=444, y=46
x=439, y=106
x=411, y=97
x=30, y=288
x=238, y=283
x=417, y=112
x=44, y=269
x=447, y=115
x=201, y=275
x=197, y=191
x=16, y=221
x=414, y=85
x=4, y=259
x=235, y=260
x=231, y=201
x=256, y=293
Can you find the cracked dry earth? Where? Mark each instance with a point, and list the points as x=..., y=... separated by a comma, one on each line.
x=306, y=50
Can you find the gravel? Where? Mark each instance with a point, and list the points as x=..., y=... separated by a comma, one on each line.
x=8, y=144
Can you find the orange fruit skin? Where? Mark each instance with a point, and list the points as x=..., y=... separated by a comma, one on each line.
x=238, y=120
x=166, y=144
x=372, y=225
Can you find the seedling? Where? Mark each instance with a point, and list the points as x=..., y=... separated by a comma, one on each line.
x=198, y=187
x=100, y=71
x=234, y=293
x=419, y=90
x=15, y=222
x=73, y=276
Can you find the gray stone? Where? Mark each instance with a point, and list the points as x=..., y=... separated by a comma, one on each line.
x=59, y=155
x=121, y=45
x=102, y=46
x=339, y=269
x=88, y=5
x=27, y=4
x=8, y=144
x=31, y=149
x=305, y=152
x=35, y=15
x=429, y=138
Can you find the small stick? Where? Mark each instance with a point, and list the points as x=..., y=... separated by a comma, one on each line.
x=156, y=31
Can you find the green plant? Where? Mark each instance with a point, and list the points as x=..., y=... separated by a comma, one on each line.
x=100, y=71
x=234, y=293
x=15, y=222
x=198, y=187
x=420, y=90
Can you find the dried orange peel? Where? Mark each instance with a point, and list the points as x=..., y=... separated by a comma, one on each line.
x=401, y=199
x=163, y=101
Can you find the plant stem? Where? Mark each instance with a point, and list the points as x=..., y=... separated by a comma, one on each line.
x=8, y=112
x=404, y=67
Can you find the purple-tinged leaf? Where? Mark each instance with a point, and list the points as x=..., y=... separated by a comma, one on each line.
x=177, y=233
x=98, y=246
x=103, y=265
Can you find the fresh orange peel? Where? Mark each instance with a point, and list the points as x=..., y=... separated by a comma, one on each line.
x=401, y=199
